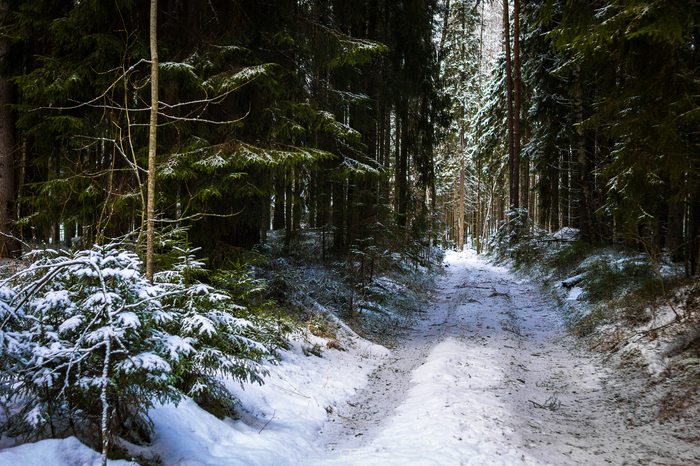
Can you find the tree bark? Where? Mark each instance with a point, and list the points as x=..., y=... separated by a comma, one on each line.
x=516, y=108
x=402, y=162
x=152, y=129
x=288, y=201
x=460, y=240
x=338, y=215
x=8, y=246
x=674, y=235
x=586, y=199
x=278, y=218
x=7, y=189
x=513, y=176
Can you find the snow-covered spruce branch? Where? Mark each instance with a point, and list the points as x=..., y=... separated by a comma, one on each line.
x=55, y=269
x=87, y=325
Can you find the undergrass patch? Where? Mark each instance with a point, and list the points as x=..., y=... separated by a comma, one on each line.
x=606, y=280
x=377, y=294
x=586, y=325
x=567, y=257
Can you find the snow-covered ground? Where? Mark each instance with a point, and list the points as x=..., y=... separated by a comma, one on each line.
x=486, y=377
x=491, y=377
x=279, y=422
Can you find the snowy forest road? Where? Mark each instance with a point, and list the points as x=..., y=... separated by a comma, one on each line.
x=489, y=376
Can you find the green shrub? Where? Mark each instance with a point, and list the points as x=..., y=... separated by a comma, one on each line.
x=87, y=345
x=568, y=257
x=606, y=280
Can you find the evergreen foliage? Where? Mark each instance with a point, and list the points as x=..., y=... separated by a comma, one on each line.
x=609, y=123
x=264, y=95
x=86, y=326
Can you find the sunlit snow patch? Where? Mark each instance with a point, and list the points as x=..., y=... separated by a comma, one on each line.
x=575, y=293
x=280, y=422
x=67, y=452
x=451, y=416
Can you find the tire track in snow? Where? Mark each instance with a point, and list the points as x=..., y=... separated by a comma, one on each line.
x=489, y=377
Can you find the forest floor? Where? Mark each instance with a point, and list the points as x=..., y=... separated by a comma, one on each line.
x=490, y=376
x=485, y=375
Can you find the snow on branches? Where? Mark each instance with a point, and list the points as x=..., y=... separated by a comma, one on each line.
x=78, y=327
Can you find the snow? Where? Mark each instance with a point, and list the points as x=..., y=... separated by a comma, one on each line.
x=149, y=361
x=71, y=323
x=67, y=452
x=52, y=299
x=465, y=388
x=128, y=320
x=150, y=291
x=175, y=345
x=575, y=293
x=567, y=234
x=452, y=413
x=199, y=322
x=450, y=416
x=280, y=421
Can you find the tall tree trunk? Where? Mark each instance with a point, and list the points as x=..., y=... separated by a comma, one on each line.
x=460, y=240
x=265, y=221
x=694, y=234
x=312, y=202
x=8, y=246
x=288, y=204
x=479, y=216
x=585, y=199
x=530, y=191
x=152, y=128
x=288, y=200
x=278, y=217
x=674, y=234
x=350, y=214
x=566, y=187
x=402, y=171
x=554, y=223
x=338, y=214
x=516, y=108
x=513, y=176
x=298, y=206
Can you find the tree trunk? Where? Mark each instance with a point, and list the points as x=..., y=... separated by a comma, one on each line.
x=278, y=217
x=402, y=171
x=312, y=202
x=350, y=214
x=516, y=108
x=152, y=128
x=479, y=217
x=8, y=247
x=586, y=197
x=338, y=215
x=674, y=234
x=288, y=200
x=460, y=240
x=513, y=176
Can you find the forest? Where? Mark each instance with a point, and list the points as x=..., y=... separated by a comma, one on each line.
x=175, y=141
x=381, y=124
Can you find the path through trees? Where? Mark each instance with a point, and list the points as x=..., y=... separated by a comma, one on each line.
x=488, y=376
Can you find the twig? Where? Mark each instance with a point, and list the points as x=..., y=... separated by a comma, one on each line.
x=16, y=239
x=552, y=403
x=511, y=330
x=263, y=427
